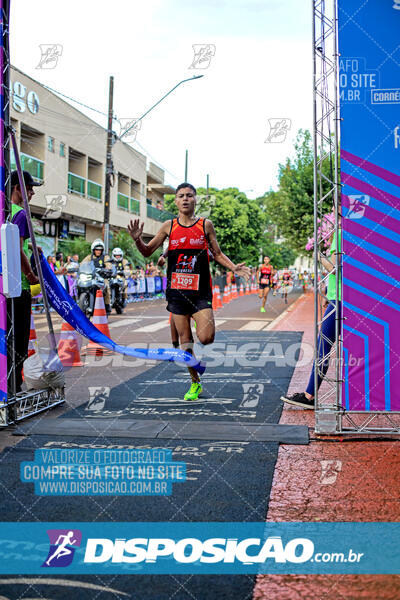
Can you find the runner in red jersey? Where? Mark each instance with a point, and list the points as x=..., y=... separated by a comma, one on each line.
x=264, y=276
x=189, y=285
x=287, y=283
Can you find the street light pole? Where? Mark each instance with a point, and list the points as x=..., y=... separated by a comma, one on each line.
x=110, y=141
x=186, y=165
x=109, y=167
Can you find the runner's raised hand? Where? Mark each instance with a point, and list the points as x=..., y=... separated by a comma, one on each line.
x=242, y=271
x=135, y=230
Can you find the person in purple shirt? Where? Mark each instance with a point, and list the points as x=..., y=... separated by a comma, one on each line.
x=22, y=304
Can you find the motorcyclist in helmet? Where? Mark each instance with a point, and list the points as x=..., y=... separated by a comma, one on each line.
x=101, y=261
x=122, y=266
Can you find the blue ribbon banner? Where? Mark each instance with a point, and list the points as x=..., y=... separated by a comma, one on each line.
x=199, y=548
x=70, y=312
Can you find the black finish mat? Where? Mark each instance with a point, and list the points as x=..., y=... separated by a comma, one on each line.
x=246, y=374
x=184, y=430
x=226, y=481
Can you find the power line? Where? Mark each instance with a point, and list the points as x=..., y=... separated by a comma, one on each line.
x=73, y=100
x=156, y=162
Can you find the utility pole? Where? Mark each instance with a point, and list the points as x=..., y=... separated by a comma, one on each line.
x=109, y=168
x=186, y=165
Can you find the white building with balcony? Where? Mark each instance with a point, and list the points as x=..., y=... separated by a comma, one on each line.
x=66, y=150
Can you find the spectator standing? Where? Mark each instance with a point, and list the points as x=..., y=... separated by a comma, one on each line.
x=22, y=304
x=51, y=260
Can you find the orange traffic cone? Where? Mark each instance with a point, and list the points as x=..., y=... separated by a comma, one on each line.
x=218, y=293
x=68, y=347
x=234, y=292
x=100, y=321
x=241, y=292
x=214, y=297
x=225, y=298
x=33, y=343
x=247, y=290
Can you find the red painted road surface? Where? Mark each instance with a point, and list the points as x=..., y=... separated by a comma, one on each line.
x=330, y=481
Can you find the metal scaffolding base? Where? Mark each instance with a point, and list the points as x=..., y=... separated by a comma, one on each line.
x=27, y=404
x=330, y=421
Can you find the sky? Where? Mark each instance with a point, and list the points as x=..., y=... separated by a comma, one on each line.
x=261, y=70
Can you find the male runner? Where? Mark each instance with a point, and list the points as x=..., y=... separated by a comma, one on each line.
x=264, y=277
x=189, y=287
x=174, y=332
x=286, y=283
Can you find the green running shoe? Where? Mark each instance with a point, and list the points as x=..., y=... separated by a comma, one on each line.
x=262, y=309
x=194, y=392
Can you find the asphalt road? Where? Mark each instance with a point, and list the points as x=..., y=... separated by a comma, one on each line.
x=142, y=324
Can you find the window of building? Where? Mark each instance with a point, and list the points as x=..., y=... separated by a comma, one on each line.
x=50, y=144
x=62, y=149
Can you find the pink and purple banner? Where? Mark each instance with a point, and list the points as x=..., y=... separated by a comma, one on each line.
x=369, y=76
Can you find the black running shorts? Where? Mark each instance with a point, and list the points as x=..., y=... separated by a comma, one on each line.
x=185, y=306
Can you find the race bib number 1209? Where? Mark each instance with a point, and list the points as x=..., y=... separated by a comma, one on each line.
x=185, y=281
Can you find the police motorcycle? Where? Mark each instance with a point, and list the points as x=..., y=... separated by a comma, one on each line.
x=91, y=278
x=117, y=281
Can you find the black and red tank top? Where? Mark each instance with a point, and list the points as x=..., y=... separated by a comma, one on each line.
x=265, y=274
x=188, y=272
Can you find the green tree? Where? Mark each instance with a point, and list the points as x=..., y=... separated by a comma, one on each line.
x=238, y=221
x=291, y=207
x=77, y=246
x=123, y=240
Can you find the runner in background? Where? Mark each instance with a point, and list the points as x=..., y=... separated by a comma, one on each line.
x=287, y=283
x=305, y=280
x=264, y=278
x=189, y=288
x=275, y=282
